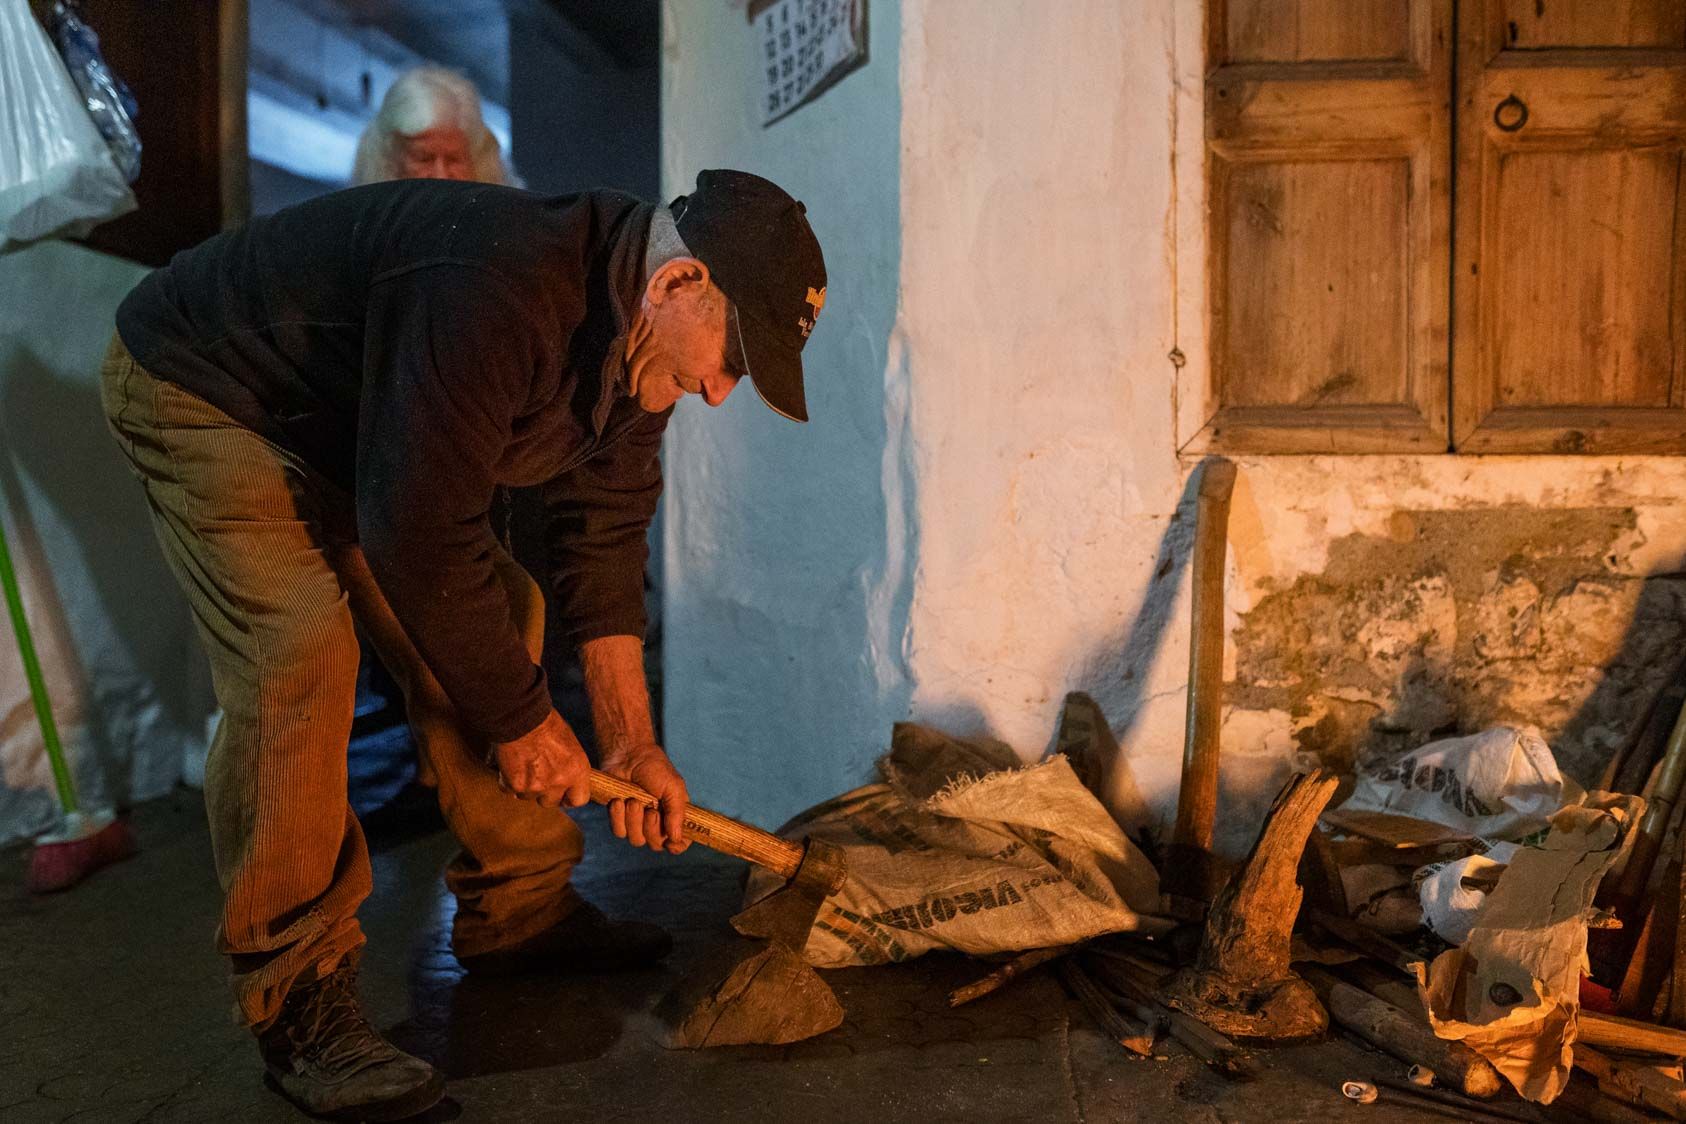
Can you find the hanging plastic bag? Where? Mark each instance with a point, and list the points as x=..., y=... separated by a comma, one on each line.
x=57, y=176
x=110, y=103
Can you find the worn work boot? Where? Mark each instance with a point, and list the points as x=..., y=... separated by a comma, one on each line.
x=328, y=1060
x=583, y=941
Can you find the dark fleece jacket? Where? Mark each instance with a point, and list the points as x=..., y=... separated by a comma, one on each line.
x=420, y=344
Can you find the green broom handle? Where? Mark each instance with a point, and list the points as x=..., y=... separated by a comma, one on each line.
x=37, y=686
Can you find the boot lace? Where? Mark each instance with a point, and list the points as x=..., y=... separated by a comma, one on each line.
x=329, y=1028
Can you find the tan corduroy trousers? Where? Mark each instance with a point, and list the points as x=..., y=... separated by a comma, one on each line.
x=265, y=550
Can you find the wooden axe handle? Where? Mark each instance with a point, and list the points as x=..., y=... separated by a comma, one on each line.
x=711, y=829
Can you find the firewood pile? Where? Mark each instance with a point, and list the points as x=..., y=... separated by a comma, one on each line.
x=1514, y=945
x=1277, y=957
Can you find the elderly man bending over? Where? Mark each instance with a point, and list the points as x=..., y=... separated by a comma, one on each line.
x=320, y=407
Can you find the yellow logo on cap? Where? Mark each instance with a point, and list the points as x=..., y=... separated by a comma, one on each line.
x=817, y=300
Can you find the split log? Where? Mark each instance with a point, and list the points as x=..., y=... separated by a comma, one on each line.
x=1616, y=1033
x=1636, y=1083
x=1005, y=974
x=1240, y=984
x=1141, y=982
x=1587, y=1102
x=1133, y=1036
x=1148, y=1014
x=1405, y=1036
x=1370, y=942
x=1385, y=986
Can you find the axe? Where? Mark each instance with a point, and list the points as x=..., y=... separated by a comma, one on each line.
x=762, y=990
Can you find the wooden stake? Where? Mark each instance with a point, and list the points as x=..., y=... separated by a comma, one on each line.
x=1004, y=974
x=1197, y=798
x=1648, y=838
x=1652, y=962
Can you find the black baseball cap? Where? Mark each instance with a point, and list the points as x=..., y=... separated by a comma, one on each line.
x=757, y=244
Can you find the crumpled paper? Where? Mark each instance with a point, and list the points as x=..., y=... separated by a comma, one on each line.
x=1511, y=992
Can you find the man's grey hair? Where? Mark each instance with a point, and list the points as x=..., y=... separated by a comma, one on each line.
x=422, y=99
x=664, y=243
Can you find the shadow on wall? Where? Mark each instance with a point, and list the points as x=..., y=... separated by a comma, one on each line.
x=1117, y=671
x=77, y=467
x=1113, y=680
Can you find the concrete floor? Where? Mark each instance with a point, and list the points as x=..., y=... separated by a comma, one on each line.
x=113, y=1008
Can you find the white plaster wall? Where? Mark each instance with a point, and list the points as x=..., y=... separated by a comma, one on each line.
x=787, y=549
x=1023, y=410
x=127, y=681
x=1038, y=304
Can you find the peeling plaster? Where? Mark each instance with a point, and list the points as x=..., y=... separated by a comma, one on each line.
x=1450, y=621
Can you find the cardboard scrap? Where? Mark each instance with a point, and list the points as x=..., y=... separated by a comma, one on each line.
x=1393, y=830
x=1511, y=992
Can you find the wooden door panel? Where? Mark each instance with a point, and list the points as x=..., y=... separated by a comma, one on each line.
x=1328, y=130
x=1317, y=30
x=1584, y=277
x=1585, y=98
x=1568, y=283
x=1319, y=283
x=1534, y=24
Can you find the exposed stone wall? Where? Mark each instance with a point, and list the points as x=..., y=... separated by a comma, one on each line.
x=1379, y=602
x=1457, y=620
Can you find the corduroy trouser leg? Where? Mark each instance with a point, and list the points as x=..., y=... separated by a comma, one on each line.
x=511, y=876
x=265, y=555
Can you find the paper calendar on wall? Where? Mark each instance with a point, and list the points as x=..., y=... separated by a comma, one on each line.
x=804, y=46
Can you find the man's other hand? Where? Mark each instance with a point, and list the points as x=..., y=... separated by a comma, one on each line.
x=661, y=828
x=547, y=765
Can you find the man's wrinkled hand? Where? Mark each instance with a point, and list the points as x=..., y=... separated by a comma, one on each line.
x=548, y=765
x=661, y=828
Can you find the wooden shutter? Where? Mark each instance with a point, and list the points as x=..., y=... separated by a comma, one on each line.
x=1328, y=133
x=1568, y=285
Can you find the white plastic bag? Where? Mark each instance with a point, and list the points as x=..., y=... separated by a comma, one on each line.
x=1452, y=893
x=57, y=176
x=1502, y=783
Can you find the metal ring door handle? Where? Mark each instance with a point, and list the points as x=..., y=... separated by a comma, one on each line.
x=1510, y=114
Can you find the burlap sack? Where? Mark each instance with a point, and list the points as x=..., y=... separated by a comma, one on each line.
x=964, y=848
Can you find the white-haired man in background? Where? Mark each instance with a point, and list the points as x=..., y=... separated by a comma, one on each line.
x=430, y=127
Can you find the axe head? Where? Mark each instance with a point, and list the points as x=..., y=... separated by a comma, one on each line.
x=787, y=914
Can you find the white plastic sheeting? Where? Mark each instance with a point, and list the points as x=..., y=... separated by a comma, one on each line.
x=129, y=685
